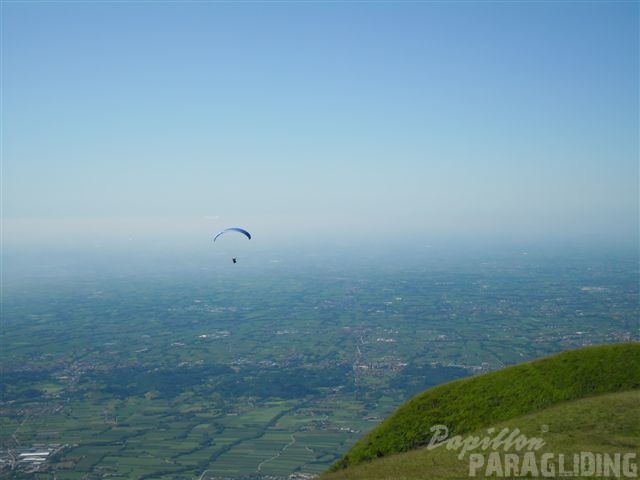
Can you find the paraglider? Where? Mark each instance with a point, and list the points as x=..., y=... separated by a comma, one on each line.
x=232, y=229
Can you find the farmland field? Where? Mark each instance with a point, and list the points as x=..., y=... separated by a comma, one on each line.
x=274, y=369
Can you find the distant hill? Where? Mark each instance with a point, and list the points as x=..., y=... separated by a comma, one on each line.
x=471, y=404
x=606, y=424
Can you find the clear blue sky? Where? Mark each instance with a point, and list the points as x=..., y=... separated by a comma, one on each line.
x=447, y=119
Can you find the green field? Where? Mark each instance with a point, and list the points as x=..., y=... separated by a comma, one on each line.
x=604, y=424
x=469, y=404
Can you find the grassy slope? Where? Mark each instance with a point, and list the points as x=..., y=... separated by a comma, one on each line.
x=470, y=404
x=603, y=424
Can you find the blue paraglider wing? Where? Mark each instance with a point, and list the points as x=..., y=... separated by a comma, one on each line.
x=233, y=229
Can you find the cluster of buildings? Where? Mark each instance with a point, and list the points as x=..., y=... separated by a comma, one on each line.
x=28, y=459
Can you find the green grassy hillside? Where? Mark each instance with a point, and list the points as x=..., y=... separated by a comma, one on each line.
x=606, y=424
x=486, y=400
